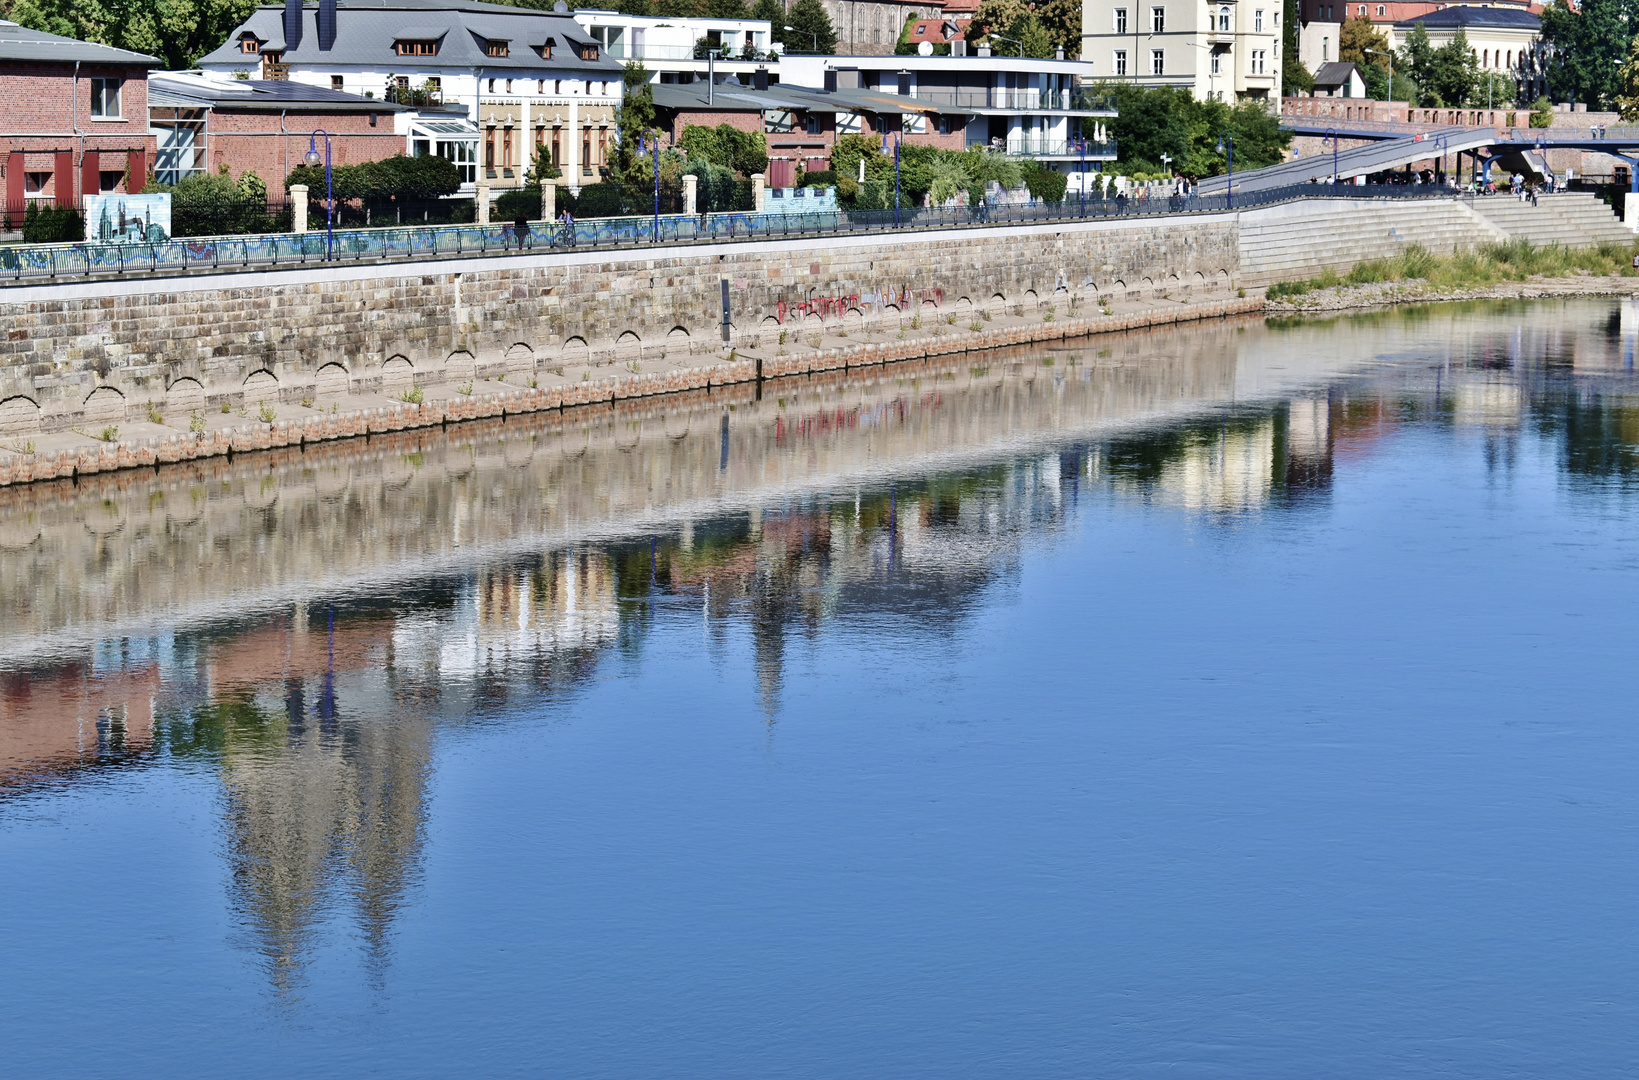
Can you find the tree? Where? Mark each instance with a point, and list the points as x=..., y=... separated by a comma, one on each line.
x=1294, y=77
x=744, y=152
x=1417, y=60
x=811, y=28
x=772, y=12
x=1627, y=101
x=1492, y=90
x=632, y=169
x=179, y=32
x=1586, y=48
x=1032, y=36
x=1062, y=18
x=997, y=16
x=1453, y=72
x=1359, y=41
x=726, y=9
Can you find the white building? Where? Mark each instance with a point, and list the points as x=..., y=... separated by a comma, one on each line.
x=489, y=83
x=1223, y=50
x=676, y=50
x=1025, y=106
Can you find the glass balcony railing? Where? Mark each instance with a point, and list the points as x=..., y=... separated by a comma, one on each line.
x=1017, y=100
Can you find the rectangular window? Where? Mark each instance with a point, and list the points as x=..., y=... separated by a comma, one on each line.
x=1121, y=20
x=586, y=150
x=250, y=45
x=335, y=82
x=1158, y=20
x=1223, y=20
x=557, y=152
x=1158, y=62
x=1121, y=61
x=506, y=148
x=1258, y=58
x=1217, y=61
x=416, y=48
x=1325, y=50
x=495, y=48
x=489, y=151
x=1257, y=21
x=588, y=51
x=105, y=98
x=811, y=124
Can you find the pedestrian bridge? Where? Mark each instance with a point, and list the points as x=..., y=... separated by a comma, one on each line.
x=1384, y=154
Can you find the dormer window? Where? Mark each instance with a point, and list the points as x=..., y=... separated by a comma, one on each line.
x=545, y=48
x=249, y=44
x=415, y=47
x=495, y=47
x=588, y=51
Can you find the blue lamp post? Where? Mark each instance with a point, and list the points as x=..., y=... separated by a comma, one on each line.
x=1226, y=146
x=897, y=140
x=1083, y=179
x=312, y=158
x=654, y=135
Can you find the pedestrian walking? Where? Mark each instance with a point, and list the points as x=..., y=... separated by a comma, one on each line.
x=520, y=231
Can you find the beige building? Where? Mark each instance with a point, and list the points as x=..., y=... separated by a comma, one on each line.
x=1226, y=50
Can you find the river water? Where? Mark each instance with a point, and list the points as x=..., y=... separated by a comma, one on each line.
x=1240, y=699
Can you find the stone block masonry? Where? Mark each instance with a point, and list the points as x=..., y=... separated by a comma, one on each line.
x=96, y=355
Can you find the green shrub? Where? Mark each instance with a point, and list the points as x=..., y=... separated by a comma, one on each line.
x=1044, y=183
x=52, y=224
x=820, y=178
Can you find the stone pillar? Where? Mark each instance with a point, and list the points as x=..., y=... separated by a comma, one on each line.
x=689, y=183
x=298, y=208
x=481, y=202
x=757, y=192
x=549, y=200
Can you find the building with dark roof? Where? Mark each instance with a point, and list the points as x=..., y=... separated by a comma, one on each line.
x=201, y=124
x=73, y=119
x=496, y=82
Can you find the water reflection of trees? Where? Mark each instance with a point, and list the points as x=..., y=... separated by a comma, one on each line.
x=320, y=720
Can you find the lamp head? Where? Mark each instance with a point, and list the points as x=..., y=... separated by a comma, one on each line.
x=313, y=157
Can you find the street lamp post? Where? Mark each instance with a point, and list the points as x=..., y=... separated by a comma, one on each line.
x=1083, y=179
x=1390, y=55
x=1014, y=41
x=1226, y=146
x=810, y=33
x=1331, y=137
x=654, y=135
x=312, y=158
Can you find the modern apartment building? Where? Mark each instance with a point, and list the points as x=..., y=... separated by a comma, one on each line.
x=1024, y=106
x=1223, y=50
x=488, y=83
x=682, y=50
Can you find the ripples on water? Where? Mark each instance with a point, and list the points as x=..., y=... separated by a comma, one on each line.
x=1233, y=700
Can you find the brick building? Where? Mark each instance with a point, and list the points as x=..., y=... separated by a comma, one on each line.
x=73, y=119
x=202, y=124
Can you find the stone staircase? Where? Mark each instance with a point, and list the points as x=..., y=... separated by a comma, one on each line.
x=1301, y=238
x=1571, y=219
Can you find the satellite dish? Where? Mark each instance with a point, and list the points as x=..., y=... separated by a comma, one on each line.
x=925, y=49
x=561, y=8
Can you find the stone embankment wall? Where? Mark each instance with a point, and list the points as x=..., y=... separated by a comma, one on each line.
x=86, y=355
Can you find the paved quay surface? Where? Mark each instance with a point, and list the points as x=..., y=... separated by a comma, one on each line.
x=166, y=439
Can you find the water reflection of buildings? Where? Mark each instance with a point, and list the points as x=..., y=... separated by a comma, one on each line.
x=502, y=569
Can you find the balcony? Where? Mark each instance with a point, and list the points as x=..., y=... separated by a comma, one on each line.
x=418, y=96
x=1031, y=100
x=1072, y=150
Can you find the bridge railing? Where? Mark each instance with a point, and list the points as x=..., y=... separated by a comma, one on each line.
x=44, y=262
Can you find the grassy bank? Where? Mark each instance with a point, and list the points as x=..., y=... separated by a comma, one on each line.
x=1489, y=264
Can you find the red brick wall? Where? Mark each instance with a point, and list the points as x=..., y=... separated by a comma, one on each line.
x=38, y=100
x=251, y=141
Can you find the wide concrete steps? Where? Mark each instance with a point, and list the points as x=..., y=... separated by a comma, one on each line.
x=1301, y=239
x=1568, y=219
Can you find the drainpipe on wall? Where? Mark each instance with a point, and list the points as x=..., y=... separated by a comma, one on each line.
x=77, y=132
x=284, y=137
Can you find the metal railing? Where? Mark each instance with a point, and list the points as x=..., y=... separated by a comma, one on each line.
x=44, y=262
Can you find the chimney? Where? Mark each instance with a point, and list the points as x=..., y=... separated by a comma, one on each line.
x=293, y=25
x=759, y=79
x=327, y=24
x=830, y=80
x=958, y=46
x=1058, y=53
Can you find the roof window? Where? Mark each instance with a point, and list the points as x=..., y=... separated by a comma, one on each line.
x=415, y=47
x=248, y=43
x=588, y=50
x=495, y=47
